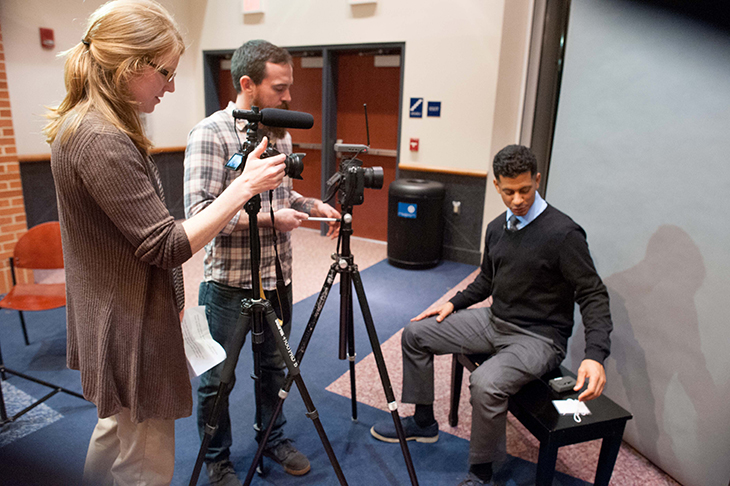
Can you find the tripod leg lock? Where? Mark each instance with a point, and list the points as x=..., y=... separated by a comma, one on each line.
x=314, y=414
x=210, y=429
x=351, y=358
x=393, y=406
x=283, y=394
x=257, y=337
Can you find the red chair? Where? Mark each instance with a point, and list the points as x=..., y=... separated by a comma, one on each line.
x=38, y=249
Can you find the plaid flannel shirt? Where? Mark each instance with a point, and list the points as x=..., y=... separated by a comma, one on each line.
x=228, y=257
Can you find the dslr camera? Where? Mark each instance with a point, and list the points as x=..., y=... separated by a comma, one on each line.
x=273, y=117
x=352, y=178
x=293, y=164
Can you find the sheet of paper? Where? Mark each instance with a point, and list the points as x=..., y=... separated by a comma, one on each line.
x=201, y=350
x=569, y=406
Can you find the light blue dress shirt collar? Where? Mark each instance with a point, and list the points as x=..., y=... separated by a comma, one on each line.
x=538, y=206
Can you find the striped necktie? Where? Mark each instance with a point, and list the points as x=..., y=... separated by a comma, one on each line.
x=513, y=222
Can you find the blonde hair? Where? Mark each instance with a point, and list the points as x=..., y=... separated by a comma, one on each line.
x=121, y=39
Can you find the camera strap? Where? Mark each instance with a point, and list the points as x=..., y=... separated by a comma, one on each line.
x=280, y=284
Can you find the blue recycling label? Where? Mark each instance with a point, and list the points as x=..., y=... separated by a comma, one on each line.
x=407, y=210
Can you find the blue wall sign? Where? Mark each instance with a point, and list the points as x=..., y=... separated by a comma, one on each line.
x=416, y=108
x=434, y=108
x=407, y=210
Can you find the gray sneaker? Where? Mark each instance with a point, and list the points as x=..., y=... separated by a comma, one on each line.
x=287, y=455
x=222, y=474
x=386, y=432
x=471, y=479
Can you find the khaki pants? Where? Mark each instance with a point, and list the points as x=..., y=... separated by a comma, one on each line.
x=122, y=452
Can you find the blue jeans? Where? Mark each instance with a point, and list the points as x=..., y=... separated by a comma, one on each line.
x=223, y=310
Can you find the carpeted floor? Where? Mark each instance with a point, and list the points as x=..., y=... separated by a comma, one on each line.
x=577, y=460
x=50, y=450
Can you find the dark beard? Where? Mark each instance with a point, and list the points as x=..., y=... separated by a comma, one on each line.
x=274, y=133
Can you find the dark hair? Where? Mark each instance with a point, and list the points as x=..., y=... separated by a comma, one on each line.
x=514, y=160
x=250, y=60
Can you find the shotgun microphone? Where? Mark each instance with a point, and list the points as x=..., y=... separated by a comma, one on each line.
x=274, y=117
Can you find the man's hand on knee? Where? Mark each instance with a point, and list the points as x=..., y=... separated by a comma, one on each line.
x=594, y=372
x=440, y=312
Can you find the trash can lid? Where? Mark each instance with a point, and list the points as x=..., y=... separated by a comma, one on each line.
x=417, y=188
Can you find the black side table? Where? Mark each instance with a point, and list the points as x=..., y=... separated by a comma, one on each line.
x=533, y=407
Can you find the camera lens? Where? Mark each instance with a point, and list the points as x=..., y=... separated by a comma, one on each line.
x=373, y=177
x=294, y=165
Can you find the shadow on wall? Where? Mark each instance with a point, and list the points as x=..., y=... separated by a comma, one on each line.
x=653, y=310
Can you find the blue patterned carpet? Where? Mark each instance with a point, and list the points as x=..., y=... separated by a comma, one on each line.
x=53, y=453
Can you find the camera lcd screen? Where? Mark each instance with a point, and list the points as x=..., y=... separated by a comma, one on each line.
x=235, y=161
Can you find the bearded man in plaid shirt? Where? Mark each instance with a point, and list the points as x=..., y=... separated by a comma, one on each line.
x=262, y=75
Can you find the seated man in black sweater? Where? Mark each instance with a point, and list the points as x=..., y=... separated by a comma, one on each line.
x=536, y=266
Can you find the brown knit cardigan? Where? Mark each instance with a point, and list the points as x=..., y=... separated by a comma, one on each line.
x=119, y=244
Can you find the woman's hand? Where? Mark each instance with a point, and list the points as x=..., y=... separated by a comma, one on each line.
x=258, y=176
x=261, y=175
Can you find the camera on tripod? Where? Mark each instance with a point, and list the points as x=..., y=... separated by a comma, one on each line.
x=272, y=117
x=352, y=178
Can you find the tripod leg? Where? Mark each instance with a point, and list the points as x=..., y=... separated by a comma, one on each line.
x=257, y=341
x=293, y=366
x=313, y=414
x=316, y=312
x=229, y=367
x=301, y=349
x=3, y=412
x=3, y=377
x=347, y=335
x=382, y=370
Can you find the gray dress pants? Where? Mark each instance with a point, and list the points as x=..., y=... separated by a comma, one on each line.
x=517, y=357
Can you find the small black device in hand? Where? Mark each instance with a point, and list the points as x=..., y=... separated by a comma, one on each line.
x=562, y=383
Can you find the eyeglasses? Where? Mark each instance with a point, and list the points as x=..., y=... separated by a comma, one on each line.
x=168, y=75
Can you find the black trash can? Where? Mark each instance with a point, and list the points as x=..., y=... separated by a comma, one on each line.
x=415, y=224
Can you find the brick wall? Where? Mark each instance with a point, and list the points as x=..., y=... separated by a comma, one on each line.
x=12, y=208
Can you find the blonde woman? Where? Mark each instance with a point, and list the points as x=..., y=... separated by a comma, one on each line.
x=122, y=248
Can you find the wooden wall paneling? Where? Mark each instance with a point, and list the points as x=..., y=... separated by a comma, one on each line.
x=306, y=94
x=360, y=82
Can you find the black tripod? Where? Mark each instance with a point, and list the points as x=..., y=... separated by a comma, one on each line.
x=259, y=309
x=349, y=274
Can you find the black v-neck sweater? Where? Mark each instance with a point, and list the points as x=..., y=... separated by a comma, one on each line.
x=537, y=274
